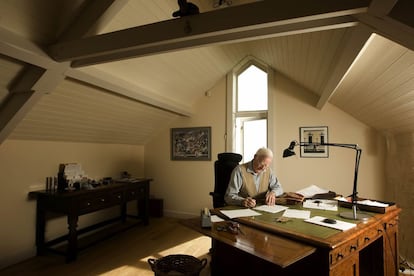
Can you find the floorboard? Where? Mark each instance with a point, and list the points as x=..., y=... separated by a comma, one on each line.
x=124, y=254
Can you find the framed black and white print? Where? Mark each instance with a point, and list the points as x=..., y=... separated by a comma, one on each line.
x=191, y=143
x=314, y=136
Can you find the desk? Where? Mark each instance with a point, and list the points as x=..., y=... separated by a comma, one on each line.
x=370, y=248
x=73, y=204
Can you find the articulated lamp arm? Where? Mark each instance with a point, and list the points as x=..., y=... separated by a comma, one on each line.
x=290, y=151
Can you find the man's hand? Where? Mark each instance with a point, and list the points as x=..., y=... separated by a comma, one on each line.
x=249, y=202
x=270, y=198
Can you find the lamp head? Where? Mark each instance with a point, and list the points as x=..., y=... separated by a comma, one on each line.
x=289, y=151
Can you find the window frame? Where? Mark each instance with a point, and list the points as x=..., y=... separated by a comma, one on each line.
x=231, y=106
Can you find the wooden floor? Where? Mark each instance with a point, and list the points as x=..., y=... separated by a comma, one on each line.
x=124, y=254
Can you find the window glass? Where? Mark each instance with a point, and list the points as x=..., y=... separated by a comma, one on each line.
x=255, y=137
x=252, y=89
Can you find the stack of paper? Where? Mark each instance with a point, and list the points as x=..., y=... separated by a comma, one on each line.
x=271, y=209
x=238, y=213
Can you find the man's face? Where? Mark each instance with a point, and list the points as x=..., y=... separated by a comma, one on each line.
x=261, y=163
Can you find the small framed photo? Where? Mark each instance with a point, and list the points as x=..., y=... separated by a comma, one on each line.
x=191, y=143
x=314, y=136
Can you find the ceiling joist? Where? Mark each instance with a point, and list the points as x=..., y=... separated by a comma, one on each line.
x=353, y=45
x=250, y=21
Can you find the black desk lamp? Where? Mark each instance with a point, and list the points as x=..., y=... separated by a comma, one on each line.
x=349, y=215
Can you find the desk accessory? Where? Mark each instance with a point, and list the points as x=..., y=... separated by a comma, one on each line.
x=205, y=218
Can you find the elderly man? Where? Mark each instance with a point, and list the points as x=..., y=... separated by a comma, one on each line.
x=253, y=181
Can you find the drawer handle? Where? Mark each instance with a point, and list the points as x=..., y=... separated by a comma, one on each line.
x=102, y=199
x=379, y=231
x=353, y=248
x=366, y=239
x=339, y=256
x=119, y=197
x=89, y=204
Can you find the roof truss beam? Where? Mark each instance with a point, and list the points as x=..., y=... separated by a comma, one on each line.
x=250, y=21
x=353, y=46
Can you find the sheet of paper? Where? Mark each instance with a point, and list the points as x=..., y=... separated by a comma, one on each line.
x=311, y=191
x=215, y=218
x=271, y=209
x=238, y=213
x=340, y=225
x=321, y=204
x=292, y=213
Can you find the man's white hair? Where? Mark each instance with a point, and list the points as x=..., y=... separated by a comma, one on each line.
x=264, y=152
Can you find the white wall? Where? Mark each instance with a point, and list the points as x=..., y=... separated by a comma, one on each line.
x=24, y=164
x=294, y=109
x=185, y=185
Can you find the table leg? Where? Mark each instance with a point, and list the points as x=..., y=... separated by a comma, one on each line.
x=40, y=229
x=123, y=212
x=72, y=250
x=143, y=209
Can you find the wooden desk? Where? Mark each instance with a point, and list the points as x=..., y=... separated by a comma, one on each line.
x=76, y=203
x=266, y=247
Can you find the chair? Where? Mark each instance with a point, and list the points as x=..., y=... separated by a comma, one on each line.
x=223, y=167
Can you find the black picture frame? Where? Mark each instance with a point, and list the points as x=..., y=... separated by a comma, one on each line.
x=315, y=134
x=193, y=143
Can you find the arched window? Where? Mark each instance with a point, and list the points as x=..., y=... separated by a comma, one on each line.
x=249, y=102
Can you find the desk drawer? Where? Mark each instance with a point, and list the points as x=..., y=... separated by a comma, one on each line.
x=100, y=201
x=136, y=193
x=371, y=235
x=342, y=252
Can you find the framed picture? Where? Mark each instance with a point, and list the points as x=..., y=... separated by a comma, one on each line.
x=316, y=135
x=191, y=143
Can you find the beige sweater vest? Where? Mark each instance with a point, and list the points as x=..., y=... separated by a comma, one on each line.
x=248, y=188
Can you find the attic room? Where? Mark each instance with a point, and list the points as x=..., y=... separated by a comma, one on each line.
x=102, y=83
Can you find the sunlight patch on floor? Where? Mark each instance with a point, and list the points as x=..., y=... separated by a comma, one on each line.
x=198, y=248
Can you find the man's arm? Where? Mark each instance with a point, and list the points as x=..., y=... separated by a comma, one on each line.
x=274, y=185
x=232, y=193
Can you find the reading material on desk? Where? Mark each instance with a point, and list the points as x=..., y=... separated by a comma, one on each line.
x=321, y=204
x=340, y=225
x=300, y=214
x=271, y=209
x=312, y=190
x=238, y=213
x=367, y=202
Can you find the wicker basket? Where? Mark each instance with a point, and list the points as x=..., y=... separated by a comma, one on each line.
x=177, y=265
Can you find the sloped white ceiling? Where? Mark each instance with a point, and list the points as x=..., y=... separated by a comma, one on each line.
x=78, y=112
x=377, y=89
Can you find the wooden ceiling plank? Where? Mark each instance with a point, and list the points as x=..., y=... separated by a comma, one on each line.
x=354, y=46
x=247, y=21
x=111, y=83
x=96, y=15
x=36, y=81
x=24, y=95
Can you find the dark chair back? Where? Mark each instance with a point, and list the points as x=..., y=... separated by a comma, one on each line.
x=223, y=167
